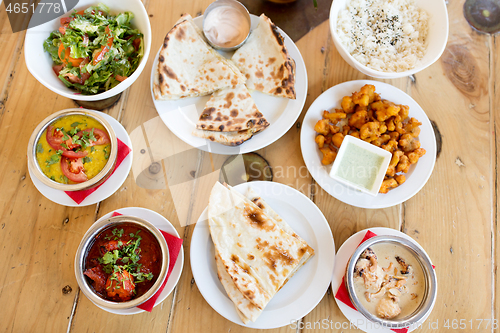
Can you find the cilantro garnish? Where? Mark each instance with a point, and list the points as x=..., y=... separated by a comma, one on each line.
x=53, y=159
x=125, y=258
x=76, y=123
x=39, y=148
x=87, y=159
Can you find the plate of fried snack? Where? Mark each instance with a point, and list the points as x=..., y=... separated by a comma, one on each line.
x=382, y=115
x=217, y=101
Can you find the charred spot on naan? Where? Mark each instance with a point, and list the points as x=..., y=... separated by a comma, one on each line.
x=276, y=33
x=257, y=218
x=234, y=113
x=229, y=97
x=170, y=73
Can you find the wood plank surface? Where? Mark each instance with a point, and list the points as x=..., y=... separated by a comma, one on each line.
x=454, y=217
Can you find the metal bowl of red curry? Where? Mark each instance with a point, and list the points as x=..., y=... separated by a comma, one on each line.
x=86, y=249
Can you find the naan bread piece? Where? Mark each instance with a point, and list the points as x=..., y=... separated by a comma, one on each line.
x=245, y=309
x=257, y=254
x=265, y=61
x=231, y=110
x=225, y=138
x=189, y=67
x=253, y=196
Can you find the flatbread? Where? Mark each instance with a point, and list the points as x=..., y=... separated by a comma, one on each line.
x=254, y=251
x=265, y=62
x=231, y=109
x=189, y=67
x=225, y=138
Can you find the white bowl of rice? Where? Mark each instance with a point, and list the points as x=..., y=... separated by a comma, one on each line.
x=389, y=39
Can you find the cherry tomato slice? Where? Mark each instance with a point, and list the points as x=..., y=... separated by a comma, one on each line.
x=73, y=169
x=120, y=78
x=99, y=55
x=65, y=58
x=55, y=138
x=101, y=137
x=57, y=69
x=74, y=154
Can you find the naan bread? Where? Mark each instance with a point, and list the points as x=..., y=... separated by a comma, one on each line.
x=225, y=138
x=230, y=110
x=265, y=61
x=254, y=251
x=189, y=67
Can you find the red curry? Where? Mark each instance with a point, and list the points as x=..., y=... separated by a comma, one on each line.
x=124, y=262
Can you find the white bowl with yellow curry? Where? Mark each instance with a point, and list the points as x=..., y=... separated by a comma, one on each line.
x=72, y=150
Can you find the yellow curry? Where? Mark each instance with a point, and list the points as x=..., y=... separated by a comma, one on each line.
x=73, y=149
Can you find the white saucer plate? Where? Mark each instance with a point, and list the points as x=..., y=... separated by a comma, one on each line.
x=163, y=224
x=303, y=291
x=343, y=256
x=112, y=184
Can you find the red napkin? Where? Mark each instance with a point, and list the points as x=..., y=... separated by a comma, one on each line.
x=79, y=196
x=174, y=246
x=343, y=296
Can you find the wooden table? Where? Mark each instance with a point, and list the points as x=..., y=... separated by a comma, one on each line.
x=454, y=217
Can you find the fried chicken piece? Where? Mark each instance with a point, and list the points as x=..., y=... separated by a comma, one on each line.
x=391, y=170
x=337, y=139
x=345, y=130
x=368, y=89
x=347, y=104
x=387, y=184
x=320, y=140
x=334, y=117
x=408, y=143
x=403, y=165
x=391, y=146
x=415, y=155
x=412, y=127
x=390, y=124
x=358, y=119
x=383, y=139
x=354, y=134
x=322, y=126
x=385, y=109
x=329, y=155
x=404, y=111
x=360, y=98
x=369, y=131
x=400, y=179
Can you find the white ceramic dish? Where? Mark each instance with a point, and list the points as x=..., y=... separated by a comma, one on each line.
x=343, y=255
x=436, y=41
x=40, y=64
x=415, y=178
x=181, y=116
x=336, y=171
x=163, y=224
x=111, y=185
x=304, y=290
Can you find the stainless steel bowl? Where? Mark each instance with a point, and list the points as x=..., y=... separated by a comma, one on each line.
x=86, y=244
x=236, y=5
x=95, y=181
x=428, y=299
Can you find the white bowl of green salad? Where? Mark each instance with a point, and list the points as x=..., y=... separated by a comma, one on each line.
x=93, y=52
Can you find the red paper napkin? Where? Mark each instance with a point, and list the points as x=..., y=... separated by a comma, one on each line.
x=343, y=296
x=174, y=246
x=79, y=196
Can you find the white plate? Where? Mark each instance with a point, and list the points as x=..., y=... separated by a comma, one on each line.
x=161, y=223
x=415, y=178
x=304, y=290
x=109, y=187
x=181, y=116
x=343, y=255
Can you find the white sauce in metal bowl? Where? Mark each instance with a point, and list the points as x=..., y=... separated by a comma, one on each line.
x=389, y=281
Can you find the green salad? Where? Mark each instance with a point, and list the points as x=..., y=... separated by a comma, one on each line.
x=94, y=51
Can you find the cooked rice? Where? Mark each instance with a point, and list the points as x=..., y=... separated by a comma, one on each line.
x=385, y=35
